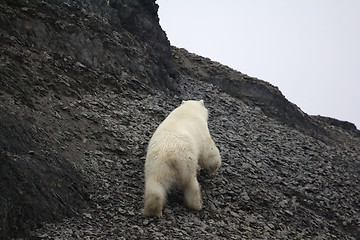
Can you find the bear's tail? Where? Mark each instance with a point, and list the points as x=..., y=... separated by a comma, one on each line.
x=155, y=195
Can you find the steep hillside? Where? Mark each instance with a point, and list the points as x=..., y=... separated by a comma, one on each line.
x=261, y=94
x=84, y=84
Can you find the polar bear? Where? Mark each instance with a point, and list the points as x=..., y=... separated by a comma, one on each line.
x=180, y=144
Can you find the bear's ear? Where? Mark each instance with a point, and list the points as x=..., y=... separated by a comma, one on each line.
x=202, y=103
x=182, y=102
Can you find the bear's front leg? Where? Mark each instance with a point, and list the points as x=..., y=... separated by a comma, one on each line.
x=192, y=195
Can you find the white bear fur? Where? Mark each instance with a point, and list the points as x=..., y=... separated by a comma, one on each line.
x=180, y=143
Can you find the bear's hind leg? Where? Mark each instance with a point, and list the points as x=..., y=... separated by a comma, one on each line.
x=192, y=195
x=155, y=195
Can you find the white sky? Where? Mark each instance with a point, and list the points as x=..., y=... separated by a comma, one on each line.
x=310, y=49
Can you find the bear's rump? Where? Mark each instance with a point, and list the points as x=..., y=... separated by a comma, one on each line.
x=173, y=167
x=172, y=157
x=182, y=169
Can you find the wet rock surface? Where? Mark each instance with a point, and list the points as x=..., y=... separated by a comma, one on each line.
x=74, y=132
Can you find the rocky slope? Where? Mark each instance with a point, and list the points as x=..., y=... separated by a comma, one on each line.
x=84, y=84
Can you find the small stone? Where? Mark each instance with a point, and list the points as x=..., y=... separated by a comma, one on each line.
x=234, y=214
x=283, y=203
x=79, y=64
x=244, y=195
x=251, y=219
x=289, y=212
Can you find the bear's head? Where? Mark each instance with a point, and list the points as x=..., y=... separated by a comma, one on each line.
x=197, y=106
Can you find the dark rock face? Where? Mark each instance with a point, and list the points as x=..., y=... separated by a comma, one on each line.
x=36, y=183
x=111, y=37
x=84, y=84
x=346, y=126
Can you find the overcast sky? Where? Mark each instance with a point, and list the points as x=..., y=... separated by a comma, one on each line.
x=310, y=49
